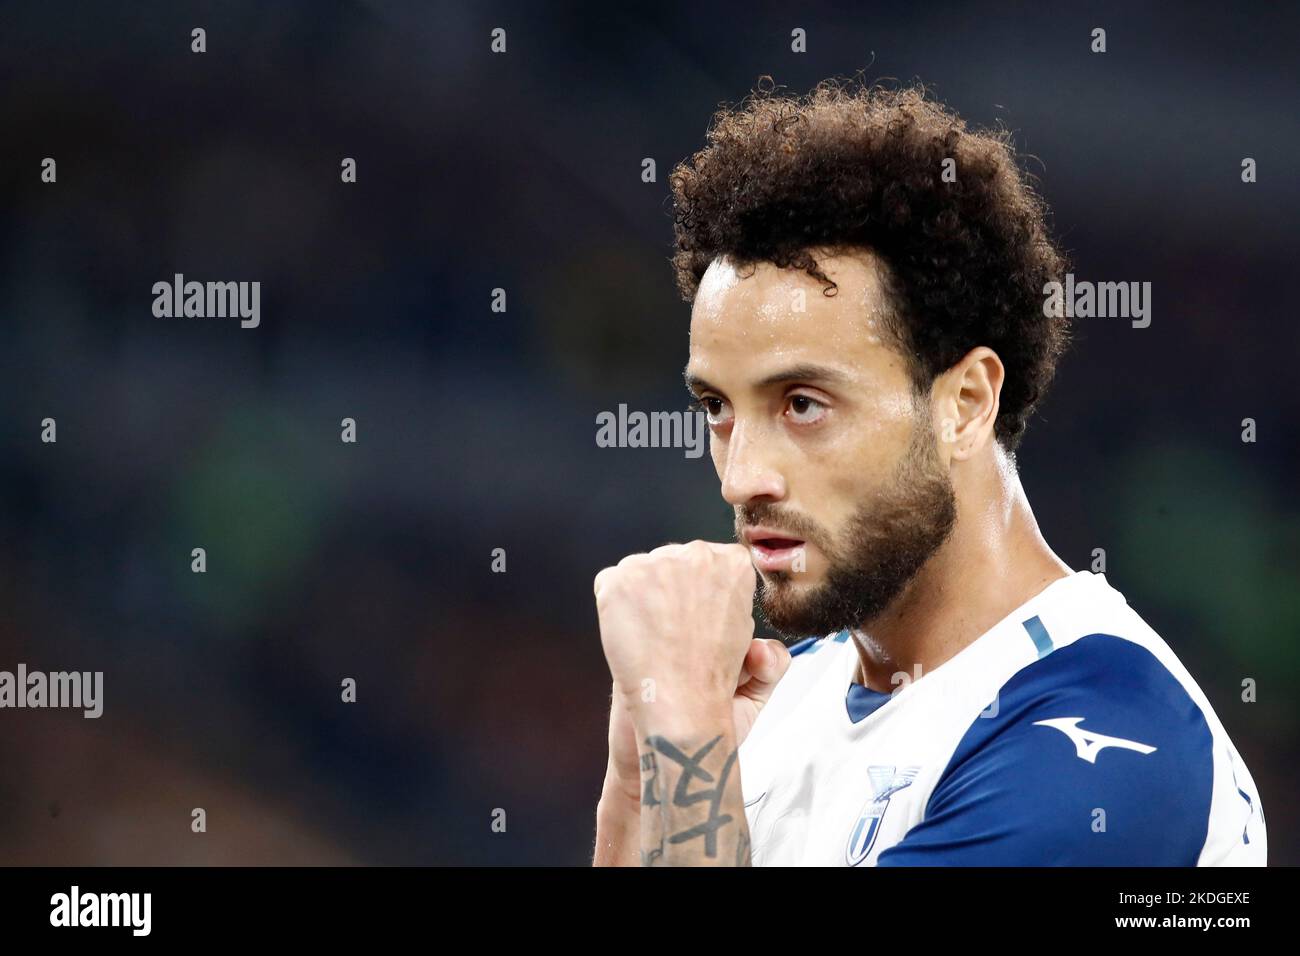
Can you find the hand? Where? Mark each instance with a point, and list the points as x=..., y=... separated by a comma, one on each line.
x=676, y=625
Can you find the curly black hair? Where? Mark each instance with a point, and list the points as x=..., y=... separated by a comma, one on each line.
x=849, y=166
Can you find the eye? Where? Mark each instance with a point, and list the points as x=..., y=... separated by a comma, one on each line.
x=805, y=410
x=715, y=409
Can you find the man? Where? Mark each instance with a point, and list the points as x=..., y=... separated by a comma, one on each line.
x=868, y=339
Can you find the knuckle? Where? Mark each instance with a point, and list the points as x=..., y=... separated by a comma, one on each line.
x=698, y=551
x=607, y=583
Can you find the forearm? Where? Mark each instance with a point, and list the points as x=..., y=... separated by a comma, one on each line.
x=692, y=810
x=618, y=827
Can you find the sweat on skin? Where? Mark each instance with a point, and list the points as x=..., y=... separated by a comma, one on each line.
x=818, y=465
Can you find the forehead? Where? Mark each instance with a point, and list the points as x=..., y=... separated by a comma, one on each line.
x=760, y=317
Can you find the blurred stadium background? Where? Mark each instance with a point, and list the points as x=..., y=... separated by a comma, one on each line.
x=477, y=690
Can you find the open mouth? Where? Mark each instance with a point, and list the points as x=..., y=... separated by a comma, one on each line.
x=771, y=553
x=777, y=544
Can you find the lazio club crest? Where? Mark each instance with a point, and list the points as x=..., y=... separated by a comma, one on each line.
x=885, y=781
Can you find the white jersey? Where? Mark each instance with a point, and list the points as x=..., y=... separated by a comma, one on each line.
x=1068, y=734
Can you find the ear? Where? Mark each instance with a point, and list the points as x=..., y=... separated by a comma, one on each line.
x=966, y=403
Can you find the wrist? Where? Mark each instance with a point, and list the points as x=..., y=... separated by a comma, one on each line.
x=684, y=719
x=685, y=693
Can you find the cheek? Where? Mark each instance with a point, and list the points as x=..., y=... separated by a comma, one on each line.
x=879, y=438
x=861, y=463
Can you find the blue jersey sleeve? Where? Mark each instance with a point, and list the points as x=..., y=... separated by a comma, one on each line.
x=1094, y=755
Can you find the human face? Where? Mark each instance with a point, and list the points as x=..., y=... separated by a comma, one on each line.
x=820, y=441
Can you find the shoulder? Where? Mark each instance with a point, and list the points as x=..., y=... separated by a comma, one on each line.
x=1096, y=754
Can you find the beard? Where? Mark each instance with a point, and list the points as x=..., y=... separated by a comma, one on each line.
x=882, y=547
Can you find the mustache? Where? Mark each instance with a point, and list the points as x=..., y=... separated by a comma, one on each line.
x=792, y=523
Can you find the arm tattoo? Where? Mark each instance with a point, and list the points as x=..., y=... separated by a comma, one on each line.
x=705, y=804
x=648, y=798
x=652, y=844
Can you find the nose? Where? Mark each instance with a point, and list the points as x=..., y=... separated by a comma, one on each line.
x=746, y=475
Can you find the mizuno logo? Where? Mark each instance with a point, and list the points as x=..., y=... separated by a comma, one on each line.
x=1089, y=743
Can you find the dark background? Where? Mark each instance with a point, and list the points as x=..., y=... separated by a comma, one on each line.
x=476, y=429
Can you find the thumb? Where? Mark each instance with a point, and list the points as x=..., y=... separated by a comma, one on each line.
x=767, y=661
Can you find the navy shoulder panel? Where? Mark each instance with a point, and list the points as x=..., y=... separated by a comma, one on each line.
x=801, y=646
x=810, y=645
x=1094, y=755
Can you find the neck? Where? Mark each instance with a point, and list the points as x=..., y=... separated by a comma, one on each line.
x=994, y=561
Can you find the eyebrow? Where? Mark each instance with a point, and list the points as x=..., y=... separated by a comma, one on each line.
x=795, y=373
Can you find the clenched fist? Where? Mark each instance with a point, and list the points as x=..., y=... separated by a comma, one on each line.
x=680, y=616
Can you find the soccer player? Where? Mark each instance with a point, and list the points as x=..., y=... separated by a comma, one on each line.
x=868, y=339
